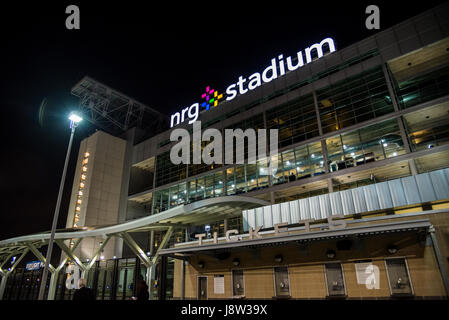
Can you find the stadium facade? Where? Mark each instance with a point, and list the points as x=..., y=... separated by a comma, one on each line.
x=357, y=208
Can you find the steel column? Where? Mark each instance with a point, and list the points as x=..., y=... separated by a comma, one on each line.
x=437, y=251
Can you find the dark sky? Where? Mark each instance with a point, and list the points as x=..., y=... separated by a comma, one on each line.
x=163, y=55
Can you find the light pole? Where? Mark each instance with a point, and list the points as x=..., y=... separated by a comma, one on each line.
x=74, y=120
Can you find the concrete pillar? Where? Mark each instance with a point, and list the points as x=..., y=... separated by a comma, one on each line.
x=412, y=166
x=272, y=200
x=183, y=282
x=330, y=185
x=3, y=284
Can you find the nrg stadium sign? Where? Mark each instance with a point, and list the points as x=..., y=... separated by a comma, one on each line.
x=276, y=69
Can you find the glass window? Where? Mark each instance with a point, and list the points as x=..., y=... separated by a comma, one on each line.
x=281, y=282
x=230, y=181
x=277, y=171
x=200, y=188
x=251, y=176
x=423, y=88
x=288, y=163
x=166, y=171
x=354, y=100
x=296, y=120
x=398, y=277
x=316, y=158
x=335, y=280
x=302, y=162
x=428, y=128
x=240, y=179
x=209, y=180
x=192, y=190
x=262, y=173
x=182, y=194
x=164, y=200
x=376, y=142
x=218, y=181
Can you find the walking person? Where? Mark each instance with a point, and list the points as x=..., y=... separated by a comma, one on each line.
x=83, y=293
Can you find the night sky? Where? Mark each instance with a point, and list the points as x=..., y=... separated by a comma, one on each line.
x=162, y=55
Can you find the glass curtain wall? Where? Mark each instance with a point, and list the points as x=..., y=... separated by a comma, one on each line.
x=373, y=143
x=354, y=100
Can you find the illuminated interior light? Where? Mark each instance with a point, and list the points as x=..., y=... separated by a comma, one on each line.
x=352, y=154
x=87, y=154
x=385, y=144
x=81, y=185
x=78, y=209
x=84, y=169
x=78, y=201
x=80, y=193
x=395, y=154
x=83, y=177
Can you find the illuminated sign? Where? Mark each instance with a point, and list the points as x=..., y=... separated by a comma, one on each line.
x=34, y=265
x=279, y=228
x=278, y=68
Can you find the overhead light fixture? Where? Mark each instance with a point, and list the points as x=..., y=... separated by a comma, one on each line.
x=236, y=262
x=392, y=249
x=201, y=264
x=278, y=258
x=331, y=254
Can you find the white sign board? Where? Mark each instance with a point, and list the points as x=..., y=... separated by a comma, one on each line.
x=368, y=274
x=219, y=284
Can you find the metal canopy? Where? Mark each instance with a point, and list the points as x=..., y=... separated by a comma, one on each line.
x=364, y=230
x=180, y=216
x=114, y=111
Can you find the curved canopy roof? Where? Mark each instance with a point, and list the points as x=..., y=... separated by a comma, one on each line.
x=196, y=213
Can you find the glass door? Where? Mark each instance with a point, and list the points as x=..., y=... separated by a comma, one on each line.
x=202, y=288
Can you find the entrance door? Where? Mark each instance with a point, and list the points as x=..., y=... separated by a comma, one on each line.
x=202, y=288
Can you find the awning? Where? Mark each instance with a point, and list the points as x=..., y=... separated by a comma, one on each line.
x=364, y=230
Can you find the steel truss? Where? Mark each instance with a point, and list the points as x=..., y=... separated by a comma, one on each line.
x=113, y=111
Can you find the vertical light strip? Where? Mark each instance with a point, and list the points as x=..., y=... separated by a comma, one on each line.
x=80, y=193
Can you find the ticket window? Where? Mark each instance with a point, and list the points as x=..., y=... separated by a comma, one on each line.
x=202, y=288
x=335, y=280
x=281, y=282
x=238, y=284
x=398, y=277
